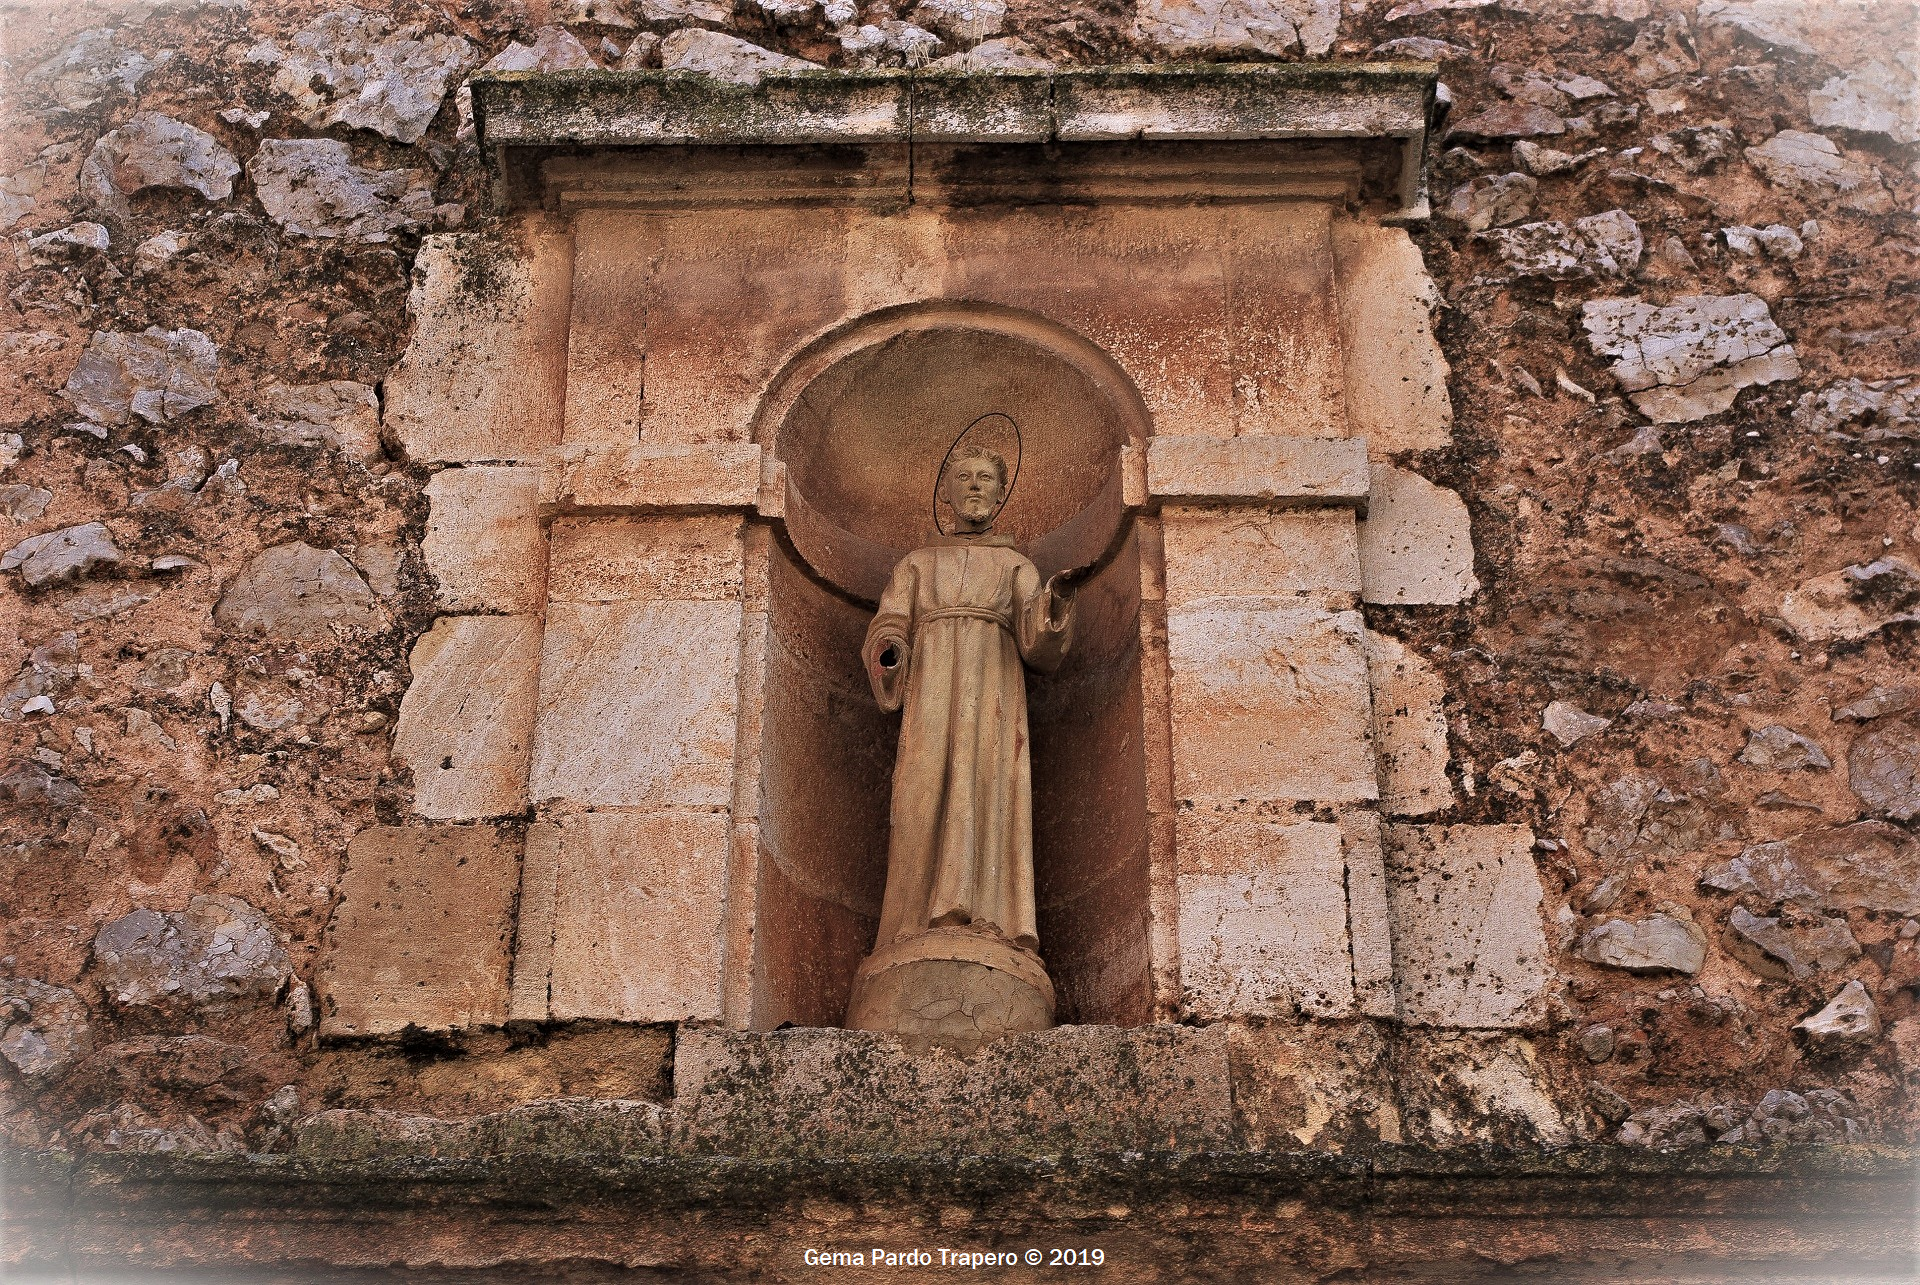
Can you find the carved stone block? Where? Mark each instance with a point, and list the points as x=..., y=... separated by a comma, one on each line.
x=1469, y=949
x=421, y=935
x=466, y=723
x=637, y=704
x=1240, y=552
x=484, y=546
x=1263, y=917
x=1270, y=701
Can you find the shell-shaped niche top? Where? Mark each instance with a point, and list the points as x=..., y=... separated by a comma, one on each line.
x=864, y=418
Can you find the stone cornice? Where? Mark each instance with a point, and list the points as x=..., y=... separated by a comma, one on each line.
x=1336, y=106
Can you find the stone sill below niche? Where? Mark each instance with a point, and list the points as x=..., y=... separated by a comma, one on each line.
x=1585, y=1213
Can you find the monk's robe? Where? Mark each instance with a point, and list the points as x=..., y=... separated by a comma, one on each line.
x=957, y=623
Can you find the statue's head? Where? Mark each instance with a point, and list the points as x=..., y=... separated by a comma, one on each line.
x=975, y=484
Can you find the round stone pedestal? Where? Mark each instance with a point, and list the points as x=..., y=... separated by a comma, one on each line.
x=951, y=987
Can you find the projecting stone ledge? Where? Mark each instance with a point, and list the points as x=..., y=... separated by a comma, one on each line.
x=1193, y=103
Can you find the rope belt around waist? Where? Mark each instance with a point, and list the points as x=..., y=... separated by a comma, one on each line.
x=965, y=613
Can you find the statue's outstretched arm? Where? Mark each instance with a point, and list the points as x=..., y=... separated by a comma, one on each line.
x=1044, y=624
x=887, y=653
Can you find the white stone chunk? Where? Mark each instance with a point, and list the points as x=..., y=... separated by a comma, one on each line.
x=1688, y=360
x=1416, y=545
x=1469, y=949
x=339, y=413
x=1657, y=944
x=1569, y=724
x=1229, y=26
x=484, y=544
x=152, y=150
x=156, y=374
x=724, y=57
x=1263, y=918
x=66, y=554
x=637, y=704
x=311, y=187
x=349, y=67
x=1850, y=1020
x=1409, y=729
x=466, y=723
x=1813, y=165
x=1881, y=97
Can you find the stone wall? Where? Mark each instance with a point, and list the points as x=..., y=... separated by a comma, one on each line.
x=1648, y=738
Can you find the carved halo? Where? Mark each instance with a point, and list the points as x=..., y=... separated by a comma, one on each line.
x=993, y=431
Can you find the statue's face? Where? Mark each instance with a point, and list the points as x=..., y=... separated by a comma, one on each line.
x=974, y=490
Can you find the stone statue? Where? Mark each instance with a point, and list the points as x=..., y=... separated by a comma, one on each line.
x=956, y=961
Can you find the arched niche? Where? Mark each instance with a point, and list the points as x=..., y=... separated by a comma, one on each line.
x=862, y=419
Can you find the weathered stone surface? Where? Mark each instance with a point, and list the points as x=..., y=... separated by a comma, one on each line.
x=93, y=65
x=421, y=936
x=1213, y=553
x=888, y=43
x=65, y=245
x=23, y=503
x=650, y=478
x=961, y=22
x=484, y=545
x=1659, y=943
x=1877, y=703
x=1477, y=1087
x=1689, y=359
x=637, y=704
x=1853, y=602
x=1263, y=918
x=1396, y=375
x=1881, y=97
x=339, y=413
x=1070, y=1091
x=59, y=556
x=295, y=591
x=1409, y=729
x=44, y=1029
x=152, y=150
x=1850, y=1021
x=484, y=377
x=1697, y=148
x=1491, y=200
x=1879, y=410
x=466, y=723
x=1778, y=748
x=1228, y=26
x=1797, y=950
x=1883, y=767
x=992, y=55
x=1508, y=120
x=1416, y=545
x=1813, y=165
x=553, y=49
x=1468, y=947
x=1270, y=700
x=1775, y=241
x=560, y=1127
x=1569, y=724
x=1781, y=23
x=350, y=67
x=695, y=558
x=218, y=953
x=311, y=187
x=724, y=57
x=1606, y=244
x=1275, y=469
x=156, y=374
x=1868, y=865
x=635, y=931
